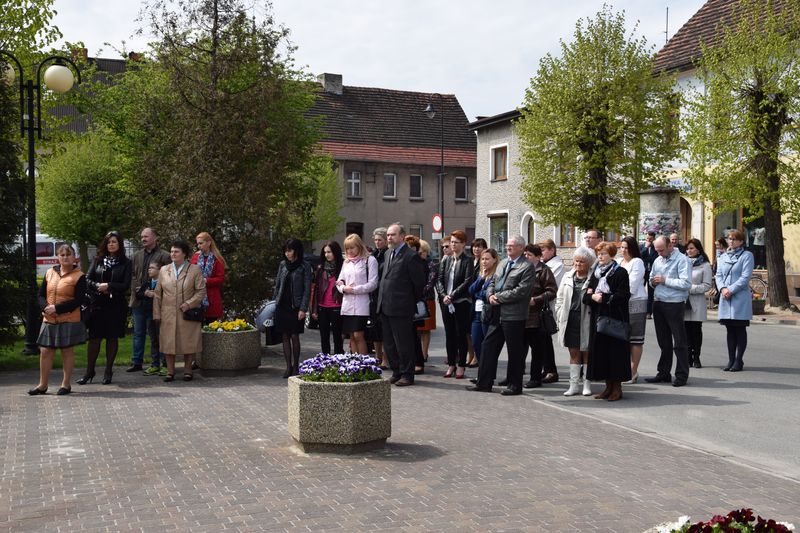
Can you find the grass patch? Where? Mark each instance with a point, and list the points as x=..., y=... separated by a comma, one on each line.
x=11, y=357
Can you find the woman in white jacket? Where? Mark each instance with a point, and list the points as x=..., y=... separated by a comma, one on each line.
x=358, y=278
x=695, y=313
x=637, y=305
x=573, y=319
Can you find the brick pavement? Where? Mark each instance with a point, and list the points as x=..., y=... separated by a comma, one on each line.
x=214, y=455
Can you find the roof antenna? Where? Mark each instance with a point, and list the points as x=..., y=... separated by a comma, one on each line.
x=666, y=29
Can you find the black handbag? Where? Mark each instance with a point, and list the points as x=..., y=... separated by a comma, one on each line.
x=611, y=327
x=421, y=312
x=194, y=314
x=547, y=320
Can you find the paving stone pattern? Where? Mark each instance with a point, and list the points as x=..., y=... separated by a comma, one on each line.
x=215, y=455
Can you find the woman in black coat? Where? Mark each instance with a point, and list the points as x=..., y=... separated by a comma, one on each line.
x=607, y=295
x=107, y=281
x=292, y=294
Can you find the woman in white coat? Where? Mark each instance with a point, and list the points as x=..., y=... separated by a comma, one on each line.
x=695, y=313
x=637, y=305
x=358, y=278
x=573, y=319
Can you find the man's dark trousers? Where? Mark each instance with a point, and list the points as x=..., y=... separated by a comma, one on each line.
x=671, y=335
x=398, y=344
x=512, y=334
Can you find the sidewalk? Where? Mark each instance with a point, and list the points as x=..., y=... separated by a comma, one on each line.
x=770, y=316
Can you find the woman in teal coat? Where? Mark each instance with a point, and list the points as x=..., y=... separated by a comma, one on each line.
x=734, y=269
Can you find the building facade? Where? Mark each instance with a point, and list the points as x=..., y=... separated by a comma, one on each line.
x=389, y=155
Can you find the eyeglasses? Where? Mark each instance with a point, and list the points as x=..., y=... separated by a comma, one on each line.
x=112, y=234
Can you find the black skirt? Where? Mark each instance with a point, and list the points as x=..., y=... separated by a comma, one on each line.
x=108, y=319
x=287, y=323
x=351, y=323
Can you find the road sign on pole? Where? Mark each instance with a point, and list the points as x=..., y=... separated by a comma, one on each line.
x=437, y=223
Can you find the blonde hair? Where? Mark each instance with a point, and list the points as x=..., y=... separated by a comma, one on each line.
x=354, y=240
x=424, y=246
x=213, y=248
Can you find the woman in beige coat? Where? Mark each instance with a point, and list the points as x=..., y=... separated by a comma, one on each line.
x=180, y=287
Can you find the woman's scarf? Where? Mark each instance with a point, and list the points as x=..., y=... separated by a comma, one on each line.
x=206, y=264
x=330, y=269
x=602, y=270
x=291, y=266
x=110, y=261
x=699, y=260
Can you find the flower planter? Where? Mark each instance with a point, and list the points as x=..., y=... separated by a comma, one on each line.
x=340, y=417
x=230, y=351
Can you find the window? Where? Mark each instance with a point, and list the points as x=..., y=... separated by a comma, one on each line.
x=355, y=227
x=416, y=187
x=44, y=249
x=498, y=230
x=416, y=230
x=461, y=189
x=612, y=236
x=390, y=185
x=500, y=163
x=567, y=235
x=354, y=185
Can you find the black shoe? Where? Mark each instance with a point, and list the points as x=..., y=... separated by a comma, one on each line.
x=195, y=366
x=532, y=384
x=134, y=368
x=737, y=368
x=63, y=391
x=727, y=368
x=550, y=377
x=473, y=380
x=36, y=391
x=404, y=382
x=476, y=388
x=287, y=373
x=107, y=378
x=503, y=383
x=511, y=392
x=394, y=379
x=659, y=379
x=86, y=379
x=679, y=383
x=697, y=363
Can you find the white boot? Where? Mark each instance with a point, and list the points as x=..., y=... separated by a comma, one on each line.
x=574, y=380
x=587, y=385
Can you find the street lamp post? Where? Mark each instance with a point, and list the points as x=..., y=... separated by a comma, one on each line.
x=430, y=111
x=57, y=78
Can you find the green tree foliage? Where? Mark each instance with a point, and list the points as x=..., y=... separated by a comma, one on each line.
x=25, y=29
x=742, y=142
x=214, y=136
x=12, y=218
x=81, y=195
x=593, y=126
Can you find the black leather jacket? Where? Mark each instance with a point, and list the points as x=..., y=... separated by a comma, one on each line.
x=300, y=280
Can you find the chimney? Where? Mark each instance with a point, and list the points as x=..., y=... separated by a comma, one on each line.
x=80, y=54
x=134, y=56
x=331, y=83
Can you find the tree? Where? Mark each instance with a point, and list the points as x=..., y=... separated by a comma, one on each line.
x=214, y=136
x=12, y=218
x=592, y=127
x=81, y=195
x=742, y=142
x=25, y=29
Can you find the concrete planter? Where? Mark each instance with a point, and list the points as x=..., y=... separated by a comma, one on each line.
x=230, y=352
x=340, y=417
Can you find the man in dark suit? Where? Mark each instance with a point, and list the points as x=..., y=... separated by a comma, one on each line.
x=401, y=287
x=509, y=294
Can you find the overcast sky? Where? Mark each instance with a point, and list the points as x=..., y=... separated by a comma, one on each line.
x=483, y=51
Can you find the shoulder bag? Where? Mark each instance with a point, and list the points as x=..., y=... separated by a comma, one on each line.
x=611, y=327
x=194, y=314
x=547, y=320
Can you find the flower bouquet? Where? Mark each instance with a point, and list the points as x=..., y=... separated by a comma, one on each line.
x=340, y=368
x=737, y=520
x=232, y=325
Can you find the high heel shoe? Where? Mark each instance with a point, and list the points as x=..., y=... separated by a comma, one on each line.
x=460, y=373
x=36, y=391
x=287, y=373
x=107, y=378
x=87, y=378
x=63, y=391
x=450, y=372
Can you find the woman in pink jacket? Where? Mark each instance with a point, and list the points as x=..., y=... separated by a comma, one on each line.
x=358, y=278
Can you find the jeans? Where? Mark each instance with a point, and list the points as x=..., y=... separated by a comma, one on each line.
x=671, y=335
x=478, y=332
x=330, y=321
x=143, y=325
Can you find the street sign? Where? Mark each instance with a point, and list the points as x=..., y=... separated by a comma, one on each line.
x=436, y=236
x=437, y=223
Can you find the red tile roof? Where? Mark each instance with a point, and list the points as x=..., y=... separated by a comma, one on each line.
x=684, y=47
x=375, y=124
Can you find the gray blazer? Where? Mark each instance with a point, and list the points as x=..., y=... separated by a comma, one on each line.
x=513, y=290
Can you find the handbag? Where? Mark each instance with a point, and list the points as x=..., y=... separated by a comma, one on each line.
x=611, y=327
x=194, y=314
x=421, y=312
x=547, y=320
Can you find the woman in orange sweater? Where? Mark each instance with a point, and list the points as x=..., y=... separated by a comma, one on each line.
x=60, y=297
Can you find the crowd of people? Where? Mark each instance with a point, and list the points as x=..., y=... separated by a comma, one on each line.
x=386, y=299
